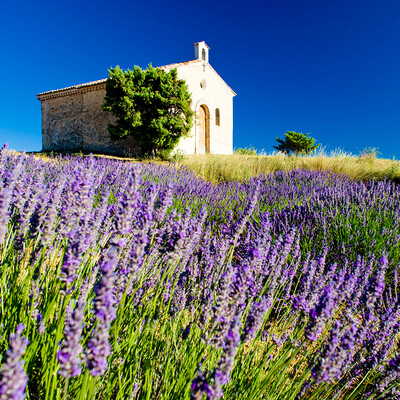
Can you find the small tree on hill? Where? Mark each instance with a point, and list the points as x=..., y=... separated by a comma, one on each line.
x=152, y=106
x=297, y=143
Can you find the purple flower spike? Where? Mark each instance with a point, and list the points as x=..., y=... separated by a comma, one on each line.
x=6, y=192
x=98, y=348
x=320, y=315
x=225, y=365
x=328, y=368
x=5, y=197
x=376, y=285
x=394, y=364
x=255, y=319
x=71, y=350
x=201, y=387
x=13, y=381
x=390, y=374
x=126, y=209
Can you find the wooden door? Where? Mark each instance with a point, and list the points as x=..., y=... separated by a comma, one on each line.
x=204, y=130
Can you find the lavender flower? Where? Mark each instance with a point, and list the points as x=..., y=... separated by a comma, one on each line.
x=225, y=364
x=127, y=207
x=376, y=285
x=223, y=311
x=71, y=349
x=394, y=364
x=13, y=380
x=390, y=374
x=381, y=339
x=300, y=301
x=320, y=315
x=279, y=341
x=346, y=349
x=6, y=191
x=327, y=368
x=52, y=210
x=31, y=201
x=77, y=206
x=5, y=197
x=254, y=319
x=41, y=326
x=163, y=202
x=240, y=224
x=72, y=259
x=201, y=387
x=98, y=347
x=134, y=257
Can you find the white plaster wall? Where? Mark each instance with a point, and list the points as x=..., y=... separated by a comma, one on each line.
x=215, y=94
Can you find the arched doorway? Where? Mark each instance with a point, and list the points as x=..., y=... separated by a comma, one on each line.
x=204, y=130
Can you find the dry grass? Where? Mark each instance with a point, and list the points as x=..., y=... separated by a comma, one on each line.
x=218, y=168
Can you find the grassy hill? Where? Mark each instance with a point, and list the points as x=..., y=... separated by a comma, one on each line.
x=217, y=168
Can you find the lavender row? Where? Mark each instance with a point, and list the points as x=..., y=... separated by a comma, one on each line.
x=120, y=272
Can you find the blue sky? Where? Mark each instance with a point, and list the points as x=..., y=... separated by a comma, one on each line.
x=330, y=68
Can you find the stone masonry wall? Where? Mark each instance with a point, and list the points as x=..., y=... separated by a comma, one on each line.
x=75, y=121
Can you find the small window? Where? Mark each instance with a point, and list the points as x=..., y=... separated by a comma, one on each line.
x=203, y=54
x=217, y=122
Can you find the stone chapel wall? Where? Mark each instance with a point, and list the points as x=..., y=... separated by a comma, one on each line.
x=75, y=121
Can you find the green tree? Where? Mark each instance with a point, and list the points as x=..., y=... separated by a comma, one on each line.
x=152, y=106
x=297, y=143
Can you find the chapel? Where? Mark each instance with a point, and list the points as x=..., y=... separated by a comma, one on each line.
x=73, y=120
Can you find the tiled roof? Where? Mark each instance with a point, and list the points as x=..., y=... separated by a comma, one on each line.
x=100, y=84
x=181, y=64
x=83, y=87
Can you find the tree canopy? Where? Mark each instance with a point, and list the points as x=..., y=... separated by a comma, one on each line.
x=296, y=143
x=152, y=106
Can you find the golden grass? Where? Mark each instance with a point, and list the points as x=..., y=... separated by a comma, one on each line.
x=218, y=168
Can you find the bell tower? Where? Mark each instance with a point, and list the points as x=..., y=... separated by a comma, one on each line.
x=201, y=51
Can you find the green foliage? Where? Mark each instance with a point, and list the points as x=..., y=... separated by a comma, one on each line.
x=177, y=156
x=246, y=151
x=152, y=106
x=296, y=143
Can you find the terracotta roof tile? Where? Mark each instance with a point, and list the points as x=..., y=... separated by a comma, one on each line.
x=82, y=85
x=181, y=64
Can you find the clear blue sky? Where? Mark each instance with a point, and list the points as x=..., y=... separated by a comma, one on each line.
x=331, y=68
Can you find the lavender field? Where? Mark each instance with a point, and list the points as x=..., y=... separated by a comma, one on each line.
x=141, y=281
